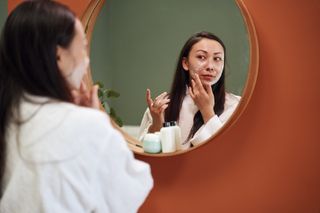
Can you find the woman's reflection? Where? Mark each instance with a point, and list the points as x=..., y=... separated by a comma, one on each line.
x=197, y=100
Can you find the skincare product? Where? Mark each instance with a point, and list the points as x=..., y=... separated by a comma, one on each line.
x=151, y=143
x=177, y=132
x=167, y=137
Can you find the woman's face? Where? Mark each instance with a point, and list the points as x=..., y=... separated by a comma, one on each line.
x=206, y=58
x=73, y=61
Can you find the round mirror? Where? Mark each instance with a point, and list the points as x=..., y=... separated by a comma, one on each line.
x=135, y=45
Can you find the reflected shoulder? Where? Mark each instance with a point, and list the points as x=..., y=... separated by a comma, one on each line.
x=233, y=97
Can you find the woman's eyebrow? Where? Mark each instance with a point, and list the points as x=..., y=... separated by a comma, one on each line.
x=215, y=53
x=202, y=51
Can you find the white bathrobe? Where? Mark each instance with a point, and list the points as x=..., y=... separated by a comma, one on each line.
x=67, y=158
x=185, y=122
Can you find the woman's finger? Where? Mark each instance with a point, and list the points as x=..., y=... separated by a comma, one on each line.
x=158, y=107
x=208, y=89
x=94, y=99
x=161, y=96
x=75, y=97
x=163, y=102
x=195, y=89
x=159, y=99
x=191, y=92
x=149, y=99
x=193, y=84
x=198, y=83
x=163, y=108
x=83, y=87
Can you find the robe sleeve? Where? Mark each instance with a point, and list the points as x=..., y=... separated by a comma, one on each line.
x=145, y=124
x=216, y=122
x=206, y=130
x=123, y=181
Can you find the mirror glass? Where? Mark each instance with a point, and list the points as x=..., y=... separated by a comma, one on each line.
x=135, y=45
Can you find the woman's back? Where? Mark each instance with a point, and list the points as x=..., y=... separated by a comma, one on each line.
x=66, y=158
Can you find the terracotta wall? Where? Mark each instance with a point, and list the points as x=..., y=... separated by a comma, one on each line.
x=269, y=161
x=78, y=6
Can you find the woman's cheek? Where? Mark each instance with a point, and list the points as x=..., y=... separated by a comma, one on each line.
x=200, y=66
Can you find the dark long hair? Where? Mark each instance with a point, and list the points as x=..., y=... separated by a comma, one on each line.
x=182, y=79
x=28, y=61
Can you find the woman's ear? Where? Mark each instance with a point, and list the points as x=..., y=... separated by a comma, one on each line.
x=63, y=61
x=185, y=64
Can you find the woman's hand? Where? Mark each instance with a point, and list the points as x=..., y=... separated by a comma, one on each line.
x=85, y=97
x=157, y=108
x=203, y=97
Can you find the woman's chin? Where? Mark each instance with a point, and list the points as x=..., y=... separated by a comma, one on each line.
x=206, y=83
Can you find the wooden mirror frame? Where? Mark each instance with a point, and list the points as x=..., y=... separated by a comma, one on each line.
x=88, y=20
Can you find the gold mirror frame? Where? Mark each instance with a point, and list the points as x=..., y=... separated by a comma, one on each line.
x=88, y=20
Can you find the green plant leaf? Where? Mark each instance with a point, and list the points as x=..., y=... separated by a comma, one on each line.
x=100, y=84
x=111, y=93
x=119, y=121
x=104, y=95
x=100, y=94
x=112, y=112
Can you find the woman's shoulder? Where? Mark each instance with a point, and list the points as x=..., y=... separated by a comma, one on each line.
x=232, y=99
x=75, y=115
x=44, y=107
x=80, y=113
x=62, y=130
x=83, y=121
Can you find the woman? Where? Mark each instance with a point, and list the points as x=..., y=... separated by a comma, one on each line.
x=57, y=156
x=197, y=99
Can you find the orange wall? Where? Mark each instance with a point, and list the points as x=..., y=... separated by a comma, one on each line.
x=78, y=6
x=269, y=161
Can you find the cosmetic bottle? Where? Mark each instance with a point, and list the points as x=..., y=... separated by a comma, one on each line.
x=167, y=137
x=177, y=132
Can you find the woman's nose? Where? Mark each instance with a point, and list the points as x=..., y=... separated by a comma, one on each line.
x=210, y=66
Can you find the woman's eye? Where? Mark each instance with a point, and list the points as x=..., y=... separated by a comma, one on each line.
x=201, y=57
x=218, y=59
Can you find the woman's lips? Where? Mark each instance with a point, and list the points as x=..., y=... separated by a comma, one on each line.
x=208, y=77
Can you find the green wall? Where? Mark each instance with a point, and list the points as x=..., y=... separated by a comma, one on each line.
x=3, y=12
x=135, y=46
